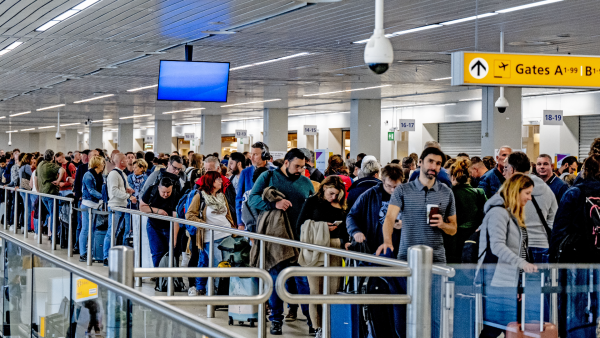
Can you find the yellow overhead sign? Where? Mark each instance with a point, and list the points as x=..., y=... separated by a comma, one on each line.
x=525, y=70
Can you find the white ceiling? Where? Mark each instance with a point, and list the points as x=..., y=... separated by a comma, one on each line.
x=68, y=62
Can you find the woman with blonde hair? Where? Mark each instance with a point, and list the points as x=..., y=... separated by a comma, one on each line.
x=469, y=209
x=195, y=170
x=91, y=197
x=327, y=205
x=504, y=250
x=136, y=181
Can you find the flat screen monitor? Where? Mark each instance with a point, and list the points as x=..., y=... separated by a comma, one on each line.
x=193, y=81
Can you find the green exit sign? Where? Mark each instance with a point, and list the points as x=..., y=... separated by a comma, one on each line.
x=391, y=136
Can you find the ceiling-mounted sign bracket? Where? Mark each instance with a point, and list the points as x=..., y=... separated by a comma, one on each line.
x=189, y=52
x=525, y=70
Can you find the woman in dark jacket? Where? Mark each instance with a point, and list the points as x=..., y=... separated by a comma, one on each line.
x=327, y=205
x=469, y=209
x=573, y=224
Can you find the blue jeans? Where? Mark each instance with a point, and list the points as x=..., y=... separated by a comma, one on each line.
x=540, y=255
x=158, y=239
x=83, y=235
x=203, y=262
x=49, y=202
x=79, y=222
x=120, y=219
x=276, y=303
x=26, y=218
x=34, y=200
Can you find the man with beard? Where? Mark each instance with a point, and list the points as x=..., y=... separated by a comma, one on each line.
x=237, y=163
x=428, y=211
x=296, y=188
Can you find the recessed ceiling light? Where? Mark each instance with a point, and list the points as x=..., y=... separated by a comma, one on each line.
x=28, y=129
x=23, y=113
x=51, y=107
x=442, y=78
x=452, y=22
x=182, y=124
x=12, y=131
x=69, y=124
x=105, y=120
x=241, y=104
x=10, y=47
x=46, y=127
x=183, y=110
x=134, y=116
x=94, y=98
x=47, y=25
x=348, y=90
x=534, y=4
x=269, y=61
x=141, y=88
x=467, y=100
x=2, y=117
x=66, y=15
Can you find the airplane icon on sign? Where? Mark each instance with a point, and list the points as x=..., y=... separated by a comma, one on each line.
x=503, y=65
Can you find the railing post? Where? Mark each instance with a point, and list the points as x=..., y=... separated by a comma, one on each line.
x=70, y=234
x=113, y=229
x=16, y=206
x=170, y=287
x=5, y=207
x=262, y=320
x=39, y=234
x=138, y=263
x=25, y=217
x=90, y=248
x=447, y=326
x=120, y=269
x=326, y=328
x=54, y=215
x=210, y=309
x=418, y=321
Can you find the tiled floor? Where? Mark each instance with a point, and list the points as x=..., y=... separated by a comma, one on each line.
x=293, y=329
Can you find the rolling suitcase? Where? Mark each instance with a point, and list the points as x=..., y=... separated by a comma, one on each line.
x=518, y=330
x=243, y=313
x=98, y=245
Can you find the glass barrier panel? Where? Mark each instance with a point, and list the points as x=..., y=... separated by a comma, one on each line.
x=51, y=302
x=149, y=324
x=89, y=308
x=17, y=291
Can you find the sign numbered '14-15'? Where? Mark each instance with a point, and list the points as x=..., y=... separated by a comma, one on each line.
x=525, y=70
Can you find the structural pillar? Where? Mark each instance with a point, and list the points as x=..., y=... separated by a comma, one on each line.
x=162, y=136
x=125, y=137
x=365, y=127
x=499, y=129
x=96, y=137
x=34, y=142
x=71, y=139
x=210, y=136
x=275, y=128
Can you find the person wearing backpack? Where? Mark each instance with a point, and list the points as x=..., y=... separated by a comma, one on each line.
x=208, y=206
x=504, y=251
x=119, y=192
x=91, y=197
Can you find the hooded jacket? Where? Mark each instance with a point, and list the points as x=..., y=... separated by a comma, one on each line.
x=273, y=222
x=505, y=242
x=545, y=198
x=359, y=187
x=491, y=182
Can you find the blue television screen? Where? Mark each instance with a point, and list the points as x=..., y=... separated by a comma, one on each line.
x=193, y=81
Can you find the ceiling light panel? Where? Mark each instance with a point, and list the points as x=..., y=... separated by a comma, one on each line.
x=481, y=16
x=142, y=88
x=183, y=110
x=51, y=107
x=19, y=114
x=348, y=90
x=10, y=47
x=71, y=12
x=69, y=124
x=46, y=127
x=105, y=120
x=29, y=129
x=442, y=78
x=94, y=98
x=241, y=104
x=534, y=4
x=270, y=61
x=134, y=116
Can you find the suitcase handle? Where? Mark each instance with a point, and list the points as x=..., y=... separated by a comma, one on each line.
x=541, y=304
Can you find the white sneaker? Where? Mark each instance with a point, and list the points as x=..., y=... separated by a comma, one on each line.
x=319, y=333
x=192, y=291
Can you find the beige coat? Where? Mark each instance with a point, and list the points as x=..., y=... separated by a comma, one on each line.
x=313, y=233
x=193, y=214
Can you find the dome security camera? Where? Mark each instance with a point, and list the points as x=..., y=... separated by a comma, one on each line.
x=379, y=53
x=502, y=102
x=57, y=135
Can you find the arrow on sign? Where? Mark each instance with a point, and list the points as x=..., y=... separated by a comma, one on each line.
x=479, y=65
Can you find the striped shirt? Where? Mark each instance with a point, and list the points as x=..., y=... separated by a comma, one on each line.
x=412, y=199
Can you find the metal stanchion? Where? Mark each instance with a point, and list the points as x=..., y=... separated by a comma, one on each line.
x=262, y=314
x=5, y=208
x=554, y=297
x=113, y=229
x=170, y=291
x=120, y=269
x=90, y=249
x=326, y=327
x=210, y=309
x=138, y=263
x=39, y=234
x=418, y=321
x=16, y=219
x=25, y=216
x=54, y=223
x=447, y=326
x=70, y=234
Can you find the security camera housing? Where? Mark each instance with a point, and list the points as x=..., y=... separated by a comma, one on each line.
x=379, y=53
x=501, y=104
x=57, y=135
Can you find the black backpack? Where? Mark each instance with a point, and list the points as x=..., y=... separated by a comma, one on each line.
x=583, y=247
x=161, y=282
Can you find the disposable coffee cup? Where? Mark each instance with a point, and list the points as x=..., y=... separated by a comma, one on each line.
x=432, y=209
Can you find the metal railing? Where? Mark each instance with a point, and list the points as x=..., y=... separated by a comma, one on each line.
x=120, y=281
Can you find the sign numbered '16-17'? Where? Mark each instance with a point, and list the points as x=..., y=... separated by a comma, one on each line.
x=525, y=70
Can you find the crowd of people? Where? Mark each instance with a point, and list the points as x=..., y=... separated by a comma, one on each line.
x=519, y=211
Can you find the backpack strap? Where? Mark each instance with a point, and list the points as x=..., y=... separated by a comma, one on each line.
x=542, y=218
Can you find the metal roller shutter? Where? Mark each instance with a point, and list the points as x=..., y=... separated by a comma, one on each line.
x=460, y=137
x=589, y=129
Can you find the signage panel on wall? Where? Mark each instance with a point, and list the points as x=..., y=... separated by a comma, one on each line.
x=553, y=118
x=310, y=130
x=525, y=70
x=189, y=136
x=241, y=133
x=149, y=139
x=322, y=158
x=406, y=125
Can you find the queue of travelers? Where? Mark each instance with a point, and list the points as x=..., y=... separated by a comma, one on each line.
x=521, y=219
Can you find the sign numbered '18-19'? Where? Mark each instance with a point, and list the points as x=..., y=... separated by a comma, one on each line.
x=525, y=70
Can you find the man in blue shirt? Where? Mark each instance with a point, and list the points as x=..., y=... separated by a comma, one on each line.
x=493, y=179
x=442, y=175
x=259, y=155
x=544, y=171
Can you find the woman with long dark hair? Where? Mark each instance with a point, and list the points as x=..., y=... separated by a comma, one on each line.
x=209, y=206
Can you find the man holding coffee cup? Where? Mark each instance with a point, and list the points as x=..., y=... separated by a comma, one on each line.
x=428, y=210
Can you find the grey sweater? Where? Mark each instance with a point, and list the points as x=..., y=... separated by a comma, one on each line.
x=548, y=205
x=505, y=242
